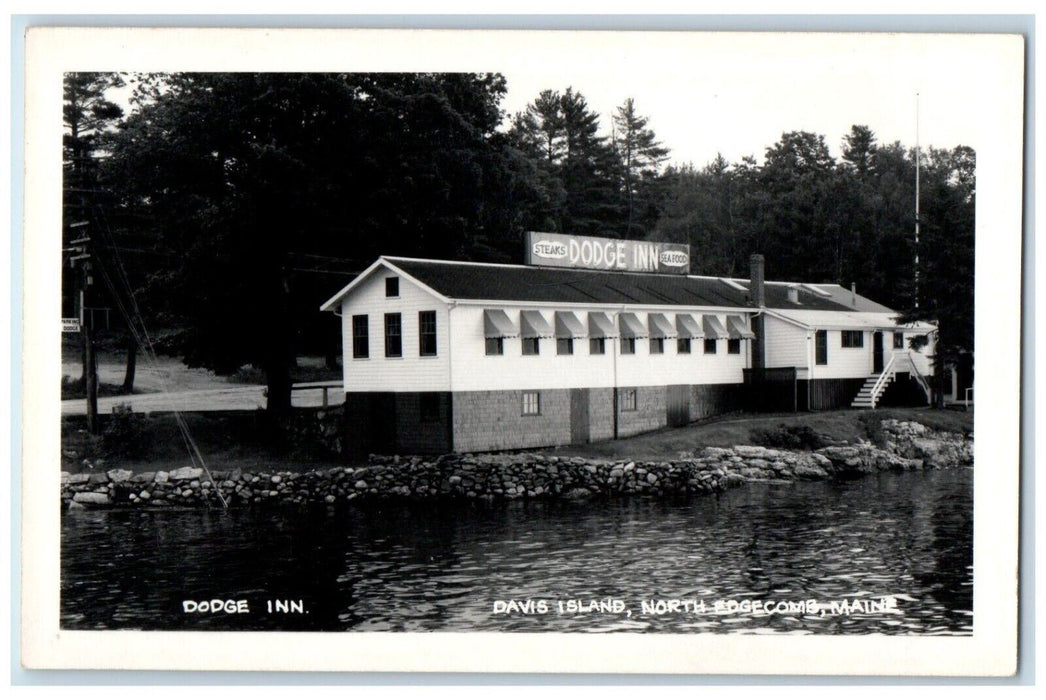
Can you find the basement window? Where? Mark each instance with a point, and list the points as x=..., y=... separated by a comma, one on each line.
x=531, y=403
x=531, y=346
x=733, y=346
x=597, y=346
x=628, y=346
x=710, y=346
x=657, y=346
x=564, y=346
x=628, y=399
x=683, y=346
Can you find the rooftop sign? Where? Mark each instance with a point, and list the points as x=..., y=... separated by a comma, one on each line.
x=590, y=253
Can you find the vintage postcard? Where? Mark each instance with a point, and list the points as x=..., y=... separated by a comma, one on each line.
x=520, y=351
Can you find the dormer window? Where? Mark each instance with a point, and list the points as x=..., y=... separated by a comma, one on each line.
x=392, y=286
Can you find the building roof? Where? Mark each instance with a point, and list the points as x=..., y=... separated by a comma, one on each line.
x=524, y=283
x=849, y=319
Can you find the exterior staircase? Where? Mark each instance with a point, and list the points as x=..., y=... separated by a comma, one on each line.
x=876, y=384
x=872, y=391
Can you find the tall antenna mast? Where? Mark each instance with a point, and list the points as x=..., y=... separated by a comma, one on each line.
x=917, y=159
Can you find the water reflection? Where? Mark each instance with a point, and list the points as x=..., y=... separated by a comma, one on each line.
x=400, y=567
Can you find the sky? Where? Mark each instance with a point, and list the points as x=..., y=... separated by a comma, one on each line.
x=736, y=96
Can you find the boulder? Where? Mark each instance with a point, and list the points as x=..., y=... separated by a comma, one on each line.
x=92, y=498
x=186, y=474
x=120, y=475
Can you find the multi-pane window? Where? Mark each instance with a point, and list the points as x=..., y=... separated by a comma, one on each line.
x=628, y=399
x=495, y=346
x=392, y=286
x=429, y=407
x=683, y=346
x=628, y=346
x=853, y=339
x=427, y=333
x=360, y=336
x=531, y=346
x=710, y=346
x=821, y=347
x=733, y=346
x=657, y=346
x=393, y=335
x=597, y=346
x=564, y=346
x=531, y=403
x=898, y=341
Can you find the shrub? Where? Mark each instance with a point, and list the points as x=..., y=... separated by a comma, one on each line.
x=72, y=388
x=873, y=428
x=124, y=433
x=789, y=437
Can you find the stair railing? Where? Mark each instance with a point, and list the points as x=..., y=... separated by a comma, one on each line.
x=919, y=375
x=884, y=378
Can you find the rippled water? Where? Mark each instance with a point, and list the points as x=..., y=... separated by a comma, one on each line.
x=414, y=567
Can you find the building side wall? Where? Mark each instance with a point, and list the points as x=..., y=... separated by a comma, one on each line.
x=473, y=370
x=650, y=413
x=708, y=400
x=601, y=414
x=411, y=372
x=786, y=344
x=494, y=420
x=848, y=363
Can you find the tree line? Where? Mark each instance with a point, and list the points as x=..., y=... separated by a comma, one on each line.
x=242, y=201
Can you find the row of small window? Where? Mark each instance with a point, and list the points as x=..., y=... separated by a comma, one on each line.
x=597, y=346
x=394, y=335
x=627, y=401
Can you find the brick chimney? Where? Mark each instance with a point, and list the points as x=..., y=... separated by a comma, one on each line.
x=758, y=293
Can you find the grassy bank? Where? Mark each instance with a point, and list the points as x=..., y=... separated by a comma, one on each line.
x=246, y=440
x=152, y=442
x=751, y=429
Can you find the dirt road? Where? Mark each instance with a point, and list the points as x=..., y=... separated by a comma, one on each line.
x=234, y=398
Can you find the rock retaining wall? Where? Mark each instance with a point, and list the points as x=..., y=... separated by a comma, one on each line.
x=909, y=446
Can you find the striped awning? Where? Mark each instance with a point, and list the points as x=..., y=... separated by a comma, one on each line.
x=630, y=326
x=738, y=327
x=532, y=324
x=660, y=327
x=568, y=325
x=713, y=327
x=688, y=327
x=497, y=324
x=600, y=325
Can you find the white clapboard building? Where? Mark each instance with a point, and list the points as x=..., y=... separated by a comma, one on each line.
x=605, y=339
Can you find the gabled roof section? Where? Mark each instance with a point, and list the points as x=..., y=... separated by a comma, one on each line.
x=468, y=281
x=522, y=283
x=852, y=320
x=382, y=262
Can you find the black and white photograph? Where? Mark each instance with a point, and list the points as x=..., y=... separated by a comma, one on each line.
x=664, y=338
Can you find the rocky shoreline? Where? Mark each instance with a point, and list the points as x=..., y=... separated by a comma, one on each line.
x=908, y=446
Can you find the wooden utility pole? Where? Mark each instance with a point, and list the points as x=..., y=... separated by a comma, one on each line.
x=83, y=257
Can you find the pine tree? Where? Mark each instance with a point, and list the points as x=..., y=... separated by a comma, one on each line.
x=640, y=155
